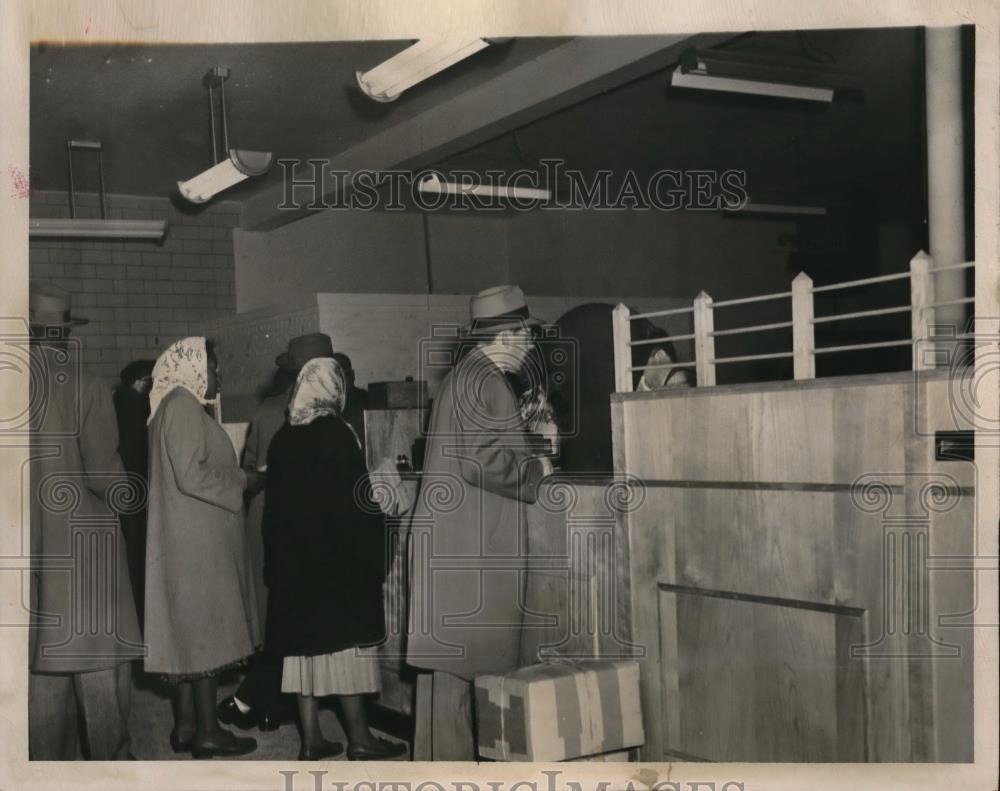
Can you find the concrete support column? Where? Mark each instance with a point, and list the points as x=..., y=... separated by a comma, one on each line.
x=945, y=174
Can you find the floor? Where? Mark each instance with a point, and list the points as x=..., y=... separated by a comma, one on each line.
x=152, y=719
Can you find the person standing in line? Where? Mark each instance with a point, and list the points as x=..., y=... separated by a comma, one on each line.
x=132, y=409
x=480, y=468
x=201, y=613
x=258, y=702
x=325, y=538
x=83, y=632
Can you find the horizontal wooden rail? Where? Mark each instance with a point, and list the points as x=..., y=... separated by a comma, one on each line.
x=862, y=282
x=858, y=346
x=749, y=357
x=747, y=300
x=963, y=301
x=655, y=313
x=653, y=341
x=756, y=328
x=661, y=365
x=949, y=267
x=861, y=313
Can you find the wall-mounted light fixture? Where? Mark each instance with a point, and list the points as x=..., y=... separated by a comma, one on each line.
x=416, y=63
x=237, y=165
x=719, y=70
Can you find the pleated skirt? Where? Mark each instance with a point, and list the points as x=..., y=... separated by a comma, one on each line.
x=353, y=671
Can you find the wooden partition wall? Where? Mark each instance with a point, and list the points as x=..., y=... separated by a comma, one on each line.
x=799, y=569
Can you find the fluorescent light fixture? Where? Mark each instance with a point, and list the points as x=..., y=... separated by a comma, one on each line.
x=234, y=168
x=706, y=82
x=776, y=208
x=434, y=184
x=719, y=70
x=44, y=228
x=73, y=227
x=416, y=63
x=237, y=167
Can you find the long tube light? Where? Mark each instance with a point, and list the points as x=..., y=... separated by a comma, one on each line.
x=416, y=63
x=237, y=167
x=435, y=185
x=69, y=228
x=234, y=168
x=717, y=70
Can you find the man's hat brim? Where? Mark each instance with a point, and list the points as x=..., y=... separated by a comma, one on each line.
x=486, y=327
x=52, y=321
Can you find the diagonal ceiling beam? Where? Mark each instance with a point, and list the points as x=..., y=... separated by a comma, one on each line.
x=558, y=78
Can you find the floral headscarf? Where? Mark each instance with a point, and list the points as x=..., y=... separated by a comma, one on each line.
x=183, y=364
x=319, y=390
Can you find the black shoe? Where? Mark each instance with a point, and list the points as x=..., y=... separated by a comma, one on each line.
x=328, y=750
x=179, y=745
x=269, y=721
x=385, y=751
x=229, y=714
x=227, y=746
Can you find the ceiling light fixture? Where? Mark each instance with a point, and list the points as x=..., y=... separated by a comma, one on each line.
x=74, y=227
x=719, y=70
x=237, y=166
x=776, y=209
x=435, y=185
x=416, y=63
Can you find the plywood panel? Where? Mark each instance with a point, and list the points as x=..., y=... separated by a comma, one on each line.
x=759, y=682
x=767, y=543
x=814, y=497
x=720, y=436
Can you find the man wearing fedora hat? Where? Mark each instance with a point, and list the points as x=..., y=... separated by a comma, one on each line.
x=480, y=468
x=84, y=631
x=258, y=702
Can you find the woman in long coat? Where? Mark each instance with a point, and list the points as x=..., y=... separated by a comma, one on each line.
x=325, y=544
x=200, y=608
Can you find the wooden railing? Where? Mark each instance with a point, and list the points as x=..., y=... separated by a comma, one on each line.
x=802, y=324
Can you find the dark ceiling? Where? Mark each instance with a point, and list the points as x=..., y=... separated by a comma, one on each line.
x=864, y=150
x=148, y=105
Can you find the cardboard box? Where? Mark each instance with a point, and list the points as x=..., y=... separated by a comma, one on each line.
x=559, y=710
x=617, y=757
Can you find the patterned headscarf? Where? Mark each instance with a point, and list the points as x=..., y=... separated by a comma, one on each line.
x=319, y=390
x=183, y=364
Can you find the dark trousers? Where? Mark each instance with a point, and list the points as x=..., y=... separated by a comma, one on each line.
x=100, y=699
x=261, y=687
x=134, y=532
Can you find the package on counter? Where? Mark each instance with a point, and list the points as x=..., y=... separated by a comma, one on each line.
x=617, y=757
x=559, y=710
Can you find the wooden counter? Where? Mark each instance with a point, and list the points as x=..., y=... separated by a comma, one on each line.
x=781, y=569
x=576, y=595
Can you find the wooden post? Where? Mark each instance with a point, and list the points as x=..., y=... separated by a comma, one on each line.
x=704, y=341
x=921, y=316
x=803, y=330
x=622, y=329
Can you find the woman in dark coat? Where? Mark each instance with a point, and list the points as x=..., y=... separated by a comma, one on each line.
x=325, y=549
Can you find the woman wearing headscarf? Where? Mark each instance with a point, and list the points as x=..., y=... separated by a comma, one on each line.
x=200, y=609
x=325, y=545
